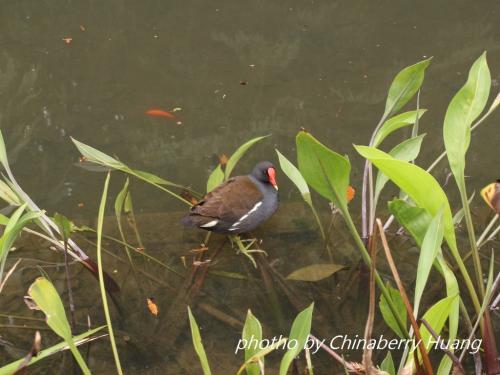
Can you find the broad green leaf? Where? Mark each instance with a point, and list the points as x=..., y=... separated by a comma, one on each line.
x=238, y=154
x=12, y=367
x=295, y=176
x=407, y=150
x=215, y=178
x=429, y=250
x=395, y=123
x=8, y=195
x=387, y=314
x=301, y=328
x=387, y=364
x=436, y=316
x=323, y=169
x=198, y=345
x=252, y=334
x=427, y=193
x=464, y=108
x=314, y=272
x=47, y=299
x=406, y=83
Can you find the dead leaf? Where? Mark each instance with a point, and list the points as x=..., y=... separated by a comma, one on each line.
x=314, y=272
x=491, y=195
x=67, y=40
x=223, y=159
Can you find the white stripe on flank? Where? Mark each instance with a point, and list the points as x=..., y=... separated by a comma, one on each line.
x=210, y=224
x=254, y=208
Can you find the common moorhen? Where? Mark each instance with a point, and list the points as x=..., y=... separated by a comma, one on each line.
x=238, y=205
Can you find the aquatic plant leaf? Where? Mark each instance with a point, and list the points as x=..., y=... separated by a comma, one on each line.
x=295, y=176
x=406, y=83
x=464, y=108
x=431, y=245
x=8, y=195
x=95, y=156
x=407, y=150
x=215, y=178
x=47, y=299
x=3, y=152
x=78, y=340
x=436, y=316
x=301, y=328
x=63, y=224
x=416, y=221
x=262, y=353
x=198, y=345
x=387, y=364
x=388, y=315
x=238, y=154
x=395, y=123
x=4, y=220
x=252, y=333
x=324, y=170
x=427, y=193
x=314, y=272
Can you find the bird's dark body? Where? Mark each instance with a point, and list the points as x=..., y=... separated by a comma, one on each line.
x=236, y=206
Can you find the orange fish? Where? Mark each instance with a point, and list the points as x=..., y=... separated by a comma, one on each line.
x=160, y=113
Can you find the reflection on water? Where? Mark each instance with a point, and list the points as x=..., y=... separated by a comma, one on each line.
x=320, y=65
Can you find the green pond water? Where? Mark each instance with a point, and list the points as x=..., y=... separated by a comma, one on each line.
x=233, y=70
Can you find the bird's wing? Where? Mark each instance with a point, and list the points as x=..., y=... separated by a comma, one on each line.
x=230, y=200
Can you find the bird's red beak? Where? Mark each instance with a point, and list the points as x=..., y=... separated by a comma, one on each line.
x=271, y=172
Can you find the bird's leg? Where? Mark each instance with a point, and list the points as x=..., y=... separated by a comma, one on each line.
x=245, y=250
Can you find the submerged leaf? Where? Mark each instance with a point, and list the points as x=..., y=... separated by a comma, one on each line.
x=314, y=272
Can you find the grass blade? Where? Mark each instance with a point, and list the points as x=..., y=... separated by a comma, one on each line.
x=198, y=344
x=100, y=220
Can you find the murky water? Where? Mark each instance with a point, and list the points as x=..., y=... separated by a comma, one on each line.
x=233, y=71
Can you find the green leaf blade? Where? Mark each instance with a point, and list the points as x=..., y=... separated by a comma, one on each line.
x=238, y=154
x=215, y=178
x=301, y=328
x=324, y=170
x=397, y=122
x=252, y=333
x=198, y=344
x=406, y=83
x=464, y=108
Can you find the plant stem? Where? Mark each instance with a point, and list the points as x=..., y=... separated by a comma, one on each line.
x=472, y=239
x=68, y=284
x=366, y=257
x=100, y=220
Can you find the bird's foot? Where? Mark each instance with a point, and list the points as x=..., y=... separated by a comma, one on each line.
x=245, y=249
